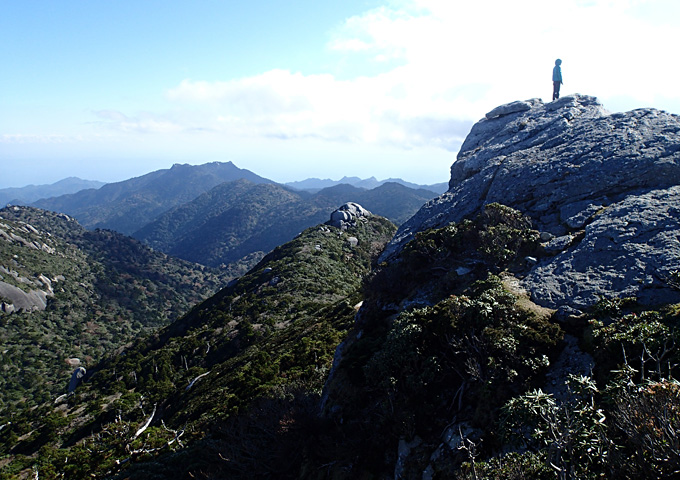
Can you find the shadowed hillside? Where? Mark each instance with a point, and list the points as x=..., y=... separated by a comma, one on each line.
x=126, y=206
x=241, y=219
x=69, y=295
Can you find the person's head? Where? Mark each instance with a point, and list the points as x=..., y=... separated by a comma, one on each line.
x=558, y=62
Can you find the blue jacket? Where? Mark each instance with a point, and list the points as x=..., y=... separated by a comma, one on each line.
x=557, y=71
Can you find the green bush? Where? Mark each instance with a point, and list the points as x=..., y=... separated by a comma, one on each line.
x=573, y=434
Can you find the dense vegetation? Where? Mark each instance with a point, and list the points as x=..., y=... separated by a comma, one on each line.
x=447, y=371
x=231, y=221
x=103, y=289
x=269, y=337
x=241, y=218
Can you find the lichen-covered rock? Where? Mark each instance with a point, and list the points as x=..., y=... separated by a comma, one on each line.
x=570, y=165
x=76, y=378
x=21, y=300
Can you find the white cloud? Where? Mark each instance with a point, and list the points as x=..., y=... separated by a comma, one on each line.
x=282, y=104
x=451, y=63
x=144, y=123
x=436, y=67
x=610, y=49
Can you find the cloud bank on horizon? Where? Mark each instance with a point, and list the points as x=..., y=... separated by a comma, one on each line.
x=392, y=93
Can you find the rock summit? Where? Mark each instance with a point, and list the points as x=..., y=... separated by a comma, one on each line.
x=603, y=188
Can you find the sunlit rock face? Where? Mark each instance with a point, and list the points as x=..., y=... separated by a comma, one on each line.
x=602, y=187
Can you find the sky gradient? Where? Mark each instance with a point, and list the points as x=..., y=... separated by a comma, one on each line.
x=108, y=90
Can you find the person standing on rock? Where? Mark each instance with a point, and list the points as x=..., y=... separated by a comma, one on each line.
x=557, y=79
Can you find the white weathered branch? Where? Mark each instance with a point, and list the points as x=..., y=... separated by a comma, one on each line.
x=146, y=425
x=191, y=384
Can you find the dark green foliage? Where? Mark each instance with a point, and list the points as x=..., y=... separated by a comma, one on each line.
x=503, y=234
x=107, y=289
x=513, y=466
x=240, y=218
x=459, y=347
x=625, y=427
x=270, y=335
x=573, y=432
x=648, y=416
x=456, y=353
x=441, y=261
x=646, y=340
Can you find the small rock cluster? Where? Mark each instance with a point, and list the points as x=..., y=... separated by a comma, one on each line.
x=347, y=215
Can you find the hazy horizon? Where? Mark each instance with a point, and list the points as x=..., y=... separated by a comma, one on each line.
x=321, y=179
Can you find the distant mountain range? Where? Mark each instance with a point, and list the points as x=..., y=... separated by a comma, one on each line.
x=316, y=184
x=128, y=205
x=217, y=214
x=31, y=193
x=237, y=219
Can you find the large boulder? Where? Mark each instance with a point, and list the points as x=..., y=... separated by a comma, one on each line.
x=629, y=249
x=19, y=300
x=602, y=185
x=347, y=214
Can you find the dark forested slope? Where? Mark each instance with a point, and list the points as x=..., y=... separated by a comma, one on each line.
x=270, y=335
x=241, y=219
x=128, y=205
x=68, y=295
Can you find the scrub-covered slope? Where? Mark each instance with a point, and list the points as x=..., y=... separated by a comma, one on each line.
x=68, y=295
x=166, y=404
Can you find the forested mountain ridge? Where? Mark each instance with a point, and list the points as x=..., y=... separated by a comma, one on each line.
x=317, y=184
x=231, y=221
x=69, y=295
x=242, y=219
x=220, y=215
x=128, y=205
x=271, y=333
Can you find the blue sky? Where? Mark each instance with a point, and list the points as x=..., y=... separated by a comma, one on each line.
x=107, y=90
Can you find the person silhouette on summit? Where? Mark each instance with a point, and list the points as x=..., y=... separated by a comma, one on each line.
x=557, y=79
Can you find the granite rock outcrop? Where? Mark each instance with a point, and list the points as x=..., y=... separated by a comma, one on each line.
x=347, y=215
x=601, y=187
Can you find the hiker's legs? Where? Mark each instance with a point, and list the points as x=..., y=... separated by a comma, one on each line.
x=556, y=90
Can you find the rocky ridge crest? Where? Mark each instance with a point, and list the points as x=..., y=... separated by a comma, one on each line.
x=602, y=188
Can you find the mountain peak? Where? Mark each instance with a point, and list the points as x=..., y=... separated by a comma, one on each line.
x=580, y=173
x=518, y=126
